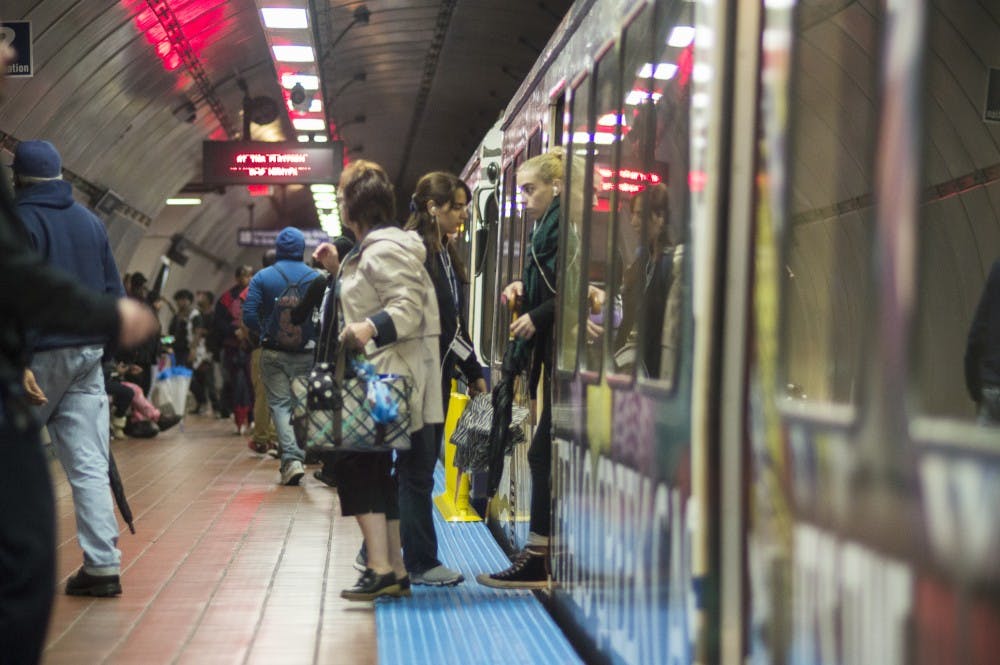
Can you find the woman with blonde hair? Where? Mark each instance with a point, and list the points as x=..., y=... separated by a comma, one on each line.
x=388, y=313
x=540, y=181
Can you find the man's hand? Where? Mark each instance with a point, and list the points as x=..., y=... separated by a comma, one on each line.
x=35, y=393
x=137, y=322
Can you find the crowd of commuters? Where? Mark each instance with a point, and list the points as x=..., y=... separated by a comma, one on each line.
x=394, y=293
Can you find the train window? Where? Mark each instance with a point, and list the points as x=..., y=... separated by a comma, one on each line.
x=833, y=112
x=493, y=332
x=658, y=145
x=576, y=201
x=603, y=312
x=956, y=333
x=637, y=110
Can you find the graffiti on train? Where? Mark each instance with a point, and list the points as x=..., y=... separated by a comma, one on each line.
x=622, y=557
x=850, y=603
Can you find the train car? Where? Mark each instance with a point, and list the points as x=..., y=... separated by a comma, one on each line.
x=780, y=221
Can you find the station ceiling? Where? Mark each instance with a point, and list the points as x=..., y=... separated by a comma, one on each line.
x=129, y=89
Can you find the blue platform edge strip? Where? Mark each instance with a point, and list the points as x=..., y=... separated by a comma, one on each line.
x=469, y=622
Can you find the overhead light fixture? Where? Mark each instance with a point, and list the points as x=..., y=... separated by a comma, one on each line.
x=303, y=138
x=284, y=18
x=315, y=106
x=664, y=71
x=636, y=97
x=184, y=201
x=308, y=81
x=293, y=53
x=320, y=138
x=309, y=124
x=322, y=188
x=681, y=36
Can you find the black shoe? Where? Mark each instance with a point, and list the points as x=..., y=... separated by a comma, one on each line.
x=371, y=585
x=142, y=429
x=167, y=421
x=404, y=588
x=312, y=455
x=526, y=572
x=85, y=584
x=325, y=479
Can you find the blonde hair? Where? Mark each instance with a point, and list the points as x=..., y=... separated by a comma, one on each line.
x=549, y=165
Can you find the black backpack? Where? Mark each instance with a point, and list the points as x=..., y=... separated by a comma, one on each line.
x=280, y=332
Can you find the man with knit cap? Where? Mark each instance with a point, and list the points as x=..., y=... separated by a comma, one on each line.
x=287, y=348
x=67, y=367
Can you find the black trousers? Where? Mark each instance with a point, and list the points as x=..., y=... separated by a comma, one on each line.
x=415, y=470
x=540, y=463
x=121, y=397
x=27, y=540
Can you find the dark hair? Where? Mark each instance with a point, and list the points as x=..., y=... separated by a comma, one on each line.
x=439, y=188
x=269, y=258
x=368, y=196
x=242, y=271
x=184, y=293
x=208, y=295
x=136, y=280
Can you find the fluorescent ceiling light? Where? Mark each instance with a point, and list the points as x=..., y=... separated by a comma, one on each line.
x=322, y=188
x=610, y=119
x=284, y=17
x=309, y=124
x=320, y=138
x=303, y=138
x=184, y=201
x=600, y=138
x=293, y=53
x=681, y=36
x=315, y=106
x=663, y=71
x=308, y=81
x=636, y=97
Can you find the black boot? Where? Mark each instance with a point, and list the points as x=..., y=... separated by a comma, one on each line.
x=371, y=585
x=85, y=584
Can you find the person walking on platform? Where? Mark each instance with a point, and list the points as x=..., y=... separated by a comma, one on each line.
x=390, y=313
x=54, y=303
x=982, y=351
x=265, y=437
x=67, y=367
x=540, y=180
x=206, y=354
x=237, y=392
x=287, y=348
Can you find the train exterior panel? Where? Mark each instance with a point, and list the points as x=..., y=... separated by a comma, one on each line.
x=770, y=455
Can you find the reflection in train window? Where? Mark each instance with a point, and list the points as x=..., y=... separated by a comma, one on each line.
x=655, y=177
x=957, y=323
x=833, y=109
x=601, y=312
x=494, y=283
x=576, y=204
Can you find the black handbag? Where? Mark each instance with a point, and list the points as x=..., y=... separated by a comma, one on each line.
x=334, y=410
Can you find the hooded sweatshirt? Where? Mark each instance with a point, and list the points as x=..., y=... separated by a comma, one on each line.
x=72, y=239
x=268, y=284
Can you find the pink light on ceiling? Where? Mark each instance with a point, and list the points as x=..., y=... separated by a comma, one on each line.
x=199, y=21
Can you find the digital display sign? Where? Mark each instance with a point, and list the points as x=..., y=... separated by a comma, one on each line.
x=263, y=163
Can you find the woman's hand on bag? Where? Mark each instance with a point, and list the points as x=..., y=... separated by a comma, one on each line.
x=523, y=327
x=356, y=335
x=477, y=387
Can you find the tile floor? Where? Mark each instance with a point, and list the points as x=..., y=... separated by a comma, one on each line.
x=226, y=566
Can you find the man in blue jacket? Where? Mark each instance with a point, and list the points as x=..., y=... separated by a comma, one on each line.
x=287, y=348
x=67, y=367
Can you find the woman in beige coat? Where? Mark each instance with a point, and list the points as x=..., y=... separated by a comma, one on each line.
x=390, y=312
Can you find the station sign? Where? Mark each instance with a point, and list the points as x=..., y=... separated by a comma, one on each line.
x=17, y=35
x=264, y=163
x=267, y=237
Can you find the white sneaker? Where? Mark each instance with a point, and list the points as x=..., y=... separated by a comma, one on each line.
x=292, y=473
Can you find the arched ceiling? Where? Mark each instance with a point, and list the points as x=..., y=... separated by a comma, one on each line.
x=114, y=82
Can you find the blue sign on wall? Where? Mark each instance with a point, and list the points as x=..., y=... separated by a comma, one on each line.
x=17, y=34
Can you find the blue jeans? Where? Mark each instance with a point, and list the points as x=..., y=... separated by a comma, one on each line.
x=78, y=422
x=415, y=472
x=277, y=369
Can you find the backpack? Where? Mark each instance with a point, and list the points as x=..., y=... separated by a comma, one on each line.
x=280, y=332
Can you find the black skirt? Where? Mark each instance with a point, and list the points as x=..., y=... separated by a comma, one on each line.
x=366, y=484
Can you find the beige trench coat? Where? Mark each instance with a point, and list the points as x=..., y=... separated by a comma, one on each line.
x=388, y=275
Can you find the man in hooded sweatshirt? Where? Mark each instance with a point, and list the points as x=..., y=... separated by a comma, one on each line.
x=67, y=366
x=287, y=348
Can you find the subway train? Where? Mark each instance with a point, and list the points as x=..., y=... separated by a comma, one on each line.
x=781, y=219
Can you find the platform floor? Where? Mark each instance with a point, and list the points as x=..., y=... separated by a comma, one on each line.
x=226, y=566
